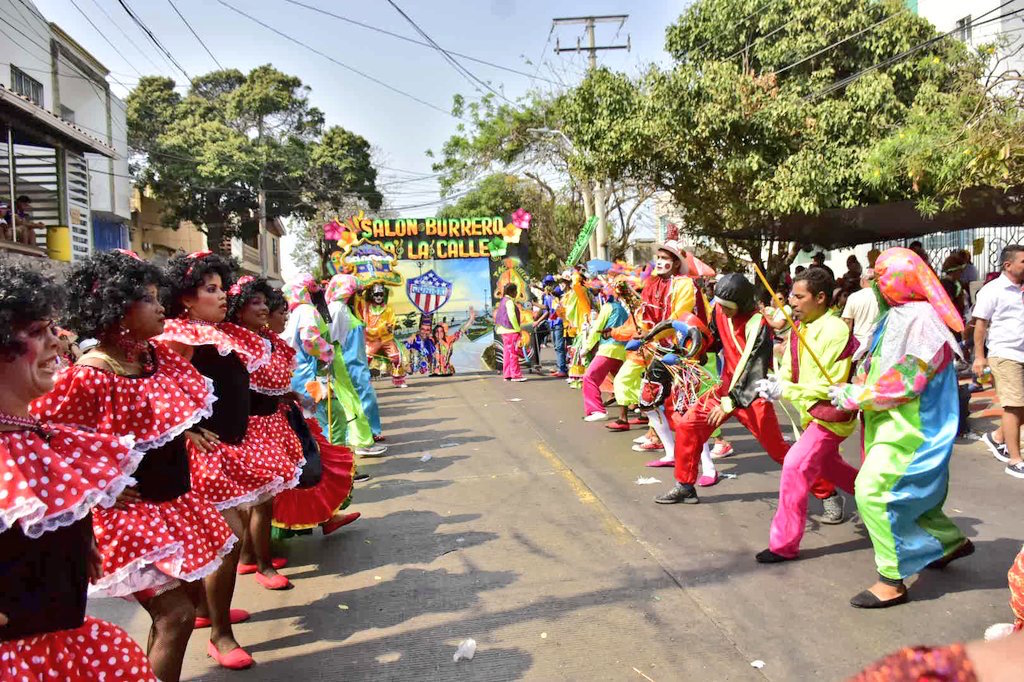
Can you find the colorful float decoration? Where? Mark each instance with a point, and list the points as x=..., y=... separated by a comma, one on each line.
x=371, y=263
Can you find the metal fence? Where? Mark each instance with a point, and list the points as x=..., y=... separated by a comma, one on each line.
x=983, y=243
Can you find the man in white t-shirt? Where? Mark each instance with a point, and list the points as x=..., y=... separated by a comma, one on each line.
x=861, y=311
x=999, y=316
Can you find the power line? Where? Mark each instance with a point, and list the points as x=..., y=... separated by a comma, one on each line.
x=760, y=38
x=125, y=34
x=109, y=42
x=407, y=39
x=149, y=34
x=543, y=52
x=840, y=42
x=182, y=17
x=736, y=26
x=333, y=60
x=448, y=57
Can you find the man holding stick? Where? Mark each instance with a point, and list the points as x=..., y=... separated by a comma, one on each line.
x=819, y=352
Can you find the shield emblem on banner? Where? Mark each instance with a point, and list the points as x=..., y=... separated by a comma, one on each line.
x=428, y=292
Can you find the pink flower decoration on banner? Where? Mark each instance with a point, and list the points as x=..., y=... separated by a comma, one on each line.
x=521, y=219
x=332, y=231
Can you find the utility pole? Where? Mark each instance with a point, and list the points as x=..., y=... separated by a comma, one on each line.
x=263, y=231
x=599, y=241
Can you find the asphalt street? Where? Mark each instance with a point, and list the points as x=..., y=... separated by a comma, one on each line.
x=525, y=530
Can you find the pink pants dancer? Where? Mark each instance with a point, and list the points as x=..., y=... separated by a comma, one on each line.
x=814, y=456
x=600, y=367
x=510, y=356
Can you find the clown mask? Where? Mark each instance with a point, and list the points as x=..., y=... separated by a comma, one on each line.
x=664, y=263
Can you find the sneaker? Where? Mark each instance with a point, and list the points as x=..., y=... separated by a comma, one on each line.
x=648, y=446
x=519, y=380
x=721, y=450
x=372, y=450
x=835, y=507
x=998, y=450
x=682, y=492
x=1015, y=470
x=596, y=417
x=641, y=440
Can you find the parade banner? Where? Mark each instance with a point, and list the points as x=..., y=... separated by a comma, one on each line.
x=582, y=241
x=445, y=266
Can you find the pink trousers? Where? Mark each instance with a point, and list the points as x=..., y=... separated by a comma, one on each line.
x=510, y=356
x=600, y=367
x=815, y=455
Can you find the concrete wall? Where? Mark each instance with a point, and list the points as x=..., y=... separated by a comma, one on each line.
x=153, y=241
x=26, y=45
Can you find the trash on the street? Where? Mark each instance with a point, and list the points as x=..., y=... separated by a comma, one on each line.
x=515, y=400
x=449, y=445
x=343, y=607
x=377, y=577
x=466, y=650
x=637, y=671
x=543, y=635
x=728, y=475
x=640, y=480
x=757, y=664
x=426, y=457
x=460, y=539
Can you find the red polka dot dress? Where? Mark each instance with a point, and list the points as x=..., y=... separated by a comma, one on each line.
x=234, y=473
x=50, y=480
x=171, y=535
x=269, y=430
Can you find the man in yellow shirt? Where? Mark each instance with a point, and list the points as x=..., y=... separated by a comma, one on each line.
x=379, y=318
x=801, y=381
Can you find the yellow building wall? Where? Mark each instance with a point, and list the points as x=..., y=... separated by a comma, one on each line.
x=150, y=239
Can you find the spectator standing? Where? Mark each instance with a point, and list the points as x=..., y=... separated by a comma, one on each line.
x=551, y=304
x=999, y=324
x=818, y=261
x=861, y=311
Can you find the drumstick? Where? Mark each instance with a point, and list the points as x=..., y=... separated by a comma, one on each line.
x=792, y=324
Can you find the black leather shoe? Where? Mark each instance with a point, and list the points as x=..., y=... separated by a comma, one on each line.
x=766, y=556
x=682, y=492
x=868, y=600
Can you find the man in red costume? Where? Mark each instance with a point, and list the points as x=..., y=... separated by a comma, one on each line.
x=667, y=295
x=743, y=338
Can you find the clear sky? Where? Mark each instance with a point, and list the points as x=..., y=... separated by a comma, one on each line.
x=506, y=32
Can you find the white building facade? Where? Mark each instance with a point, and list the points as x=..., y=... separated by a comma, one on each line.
x=64, y=142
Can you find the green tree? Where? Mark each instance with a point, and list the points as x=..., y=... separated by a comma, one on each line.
x=760, y=117
x=206, y=155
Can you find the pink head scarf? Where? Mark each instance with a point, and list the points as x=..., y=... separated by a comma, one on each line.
x=903, y=277
x=297, y=292
x=341, y=287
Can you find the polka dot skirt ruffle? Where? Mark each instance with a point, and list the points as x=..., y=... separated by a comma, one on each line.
x=237, y=475
x=182, y=539
x=47, y=484
x=275, y=378
x=155, y=409
x=273, y=433
x=95, y=651
x=251, y=348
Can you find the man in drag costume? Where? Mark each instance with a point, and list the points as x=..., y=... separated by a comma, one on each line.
x=131, y=386
x=907, y=391
x=379, y=317
x=740, y=335
x=51, y=477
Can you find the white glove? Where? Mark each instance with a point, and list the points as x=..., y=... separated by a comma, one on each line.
x=769, y=388
x=837, y=394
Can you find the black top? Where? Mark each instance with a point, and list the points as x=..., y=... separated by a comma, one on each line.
x=231, y=386
x=262, y=405
x=45, y=580
x=163, y=473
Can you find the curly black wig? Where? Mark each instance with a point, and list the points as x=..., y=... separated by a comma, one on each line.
x=243, y=290
x=185, y=274
x=276, y=300
x=102, y=288
x=25, y=297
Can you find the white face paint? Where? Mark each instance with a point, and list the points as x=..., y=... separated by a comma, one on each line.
x=664, y=263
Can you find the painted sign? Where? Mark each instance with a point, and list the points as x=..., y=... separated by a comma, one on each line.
x=428, y=292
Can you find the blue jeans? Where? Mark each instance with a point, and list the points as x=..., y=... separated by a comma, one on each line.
x=559, y=337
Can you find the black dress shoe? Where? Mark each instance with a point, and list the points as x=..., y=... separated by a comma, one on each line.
x=361, y=477
x=868, y=600
x=965, y=549
x=769, y=557
x=682, y=492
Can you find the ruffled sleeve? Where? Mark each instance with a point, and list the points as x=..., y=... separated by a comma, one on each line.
x=79, y=398
x=49, y=481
